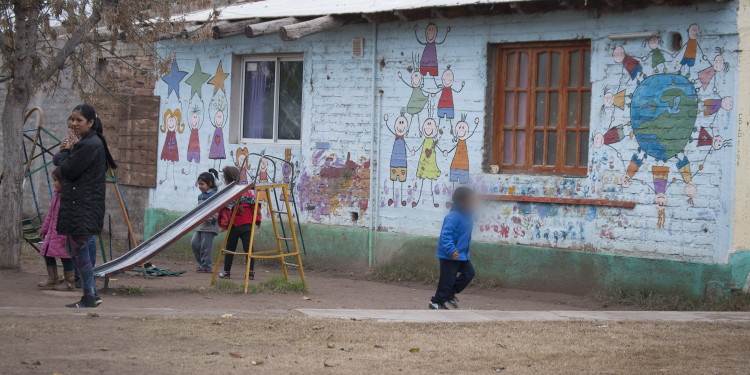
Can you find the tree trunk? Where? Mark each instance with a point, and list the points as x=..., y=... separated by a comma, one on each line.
x=11, y=189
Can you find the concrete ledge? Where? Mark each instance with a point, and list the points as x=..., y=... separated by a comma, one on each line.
x=469, y=316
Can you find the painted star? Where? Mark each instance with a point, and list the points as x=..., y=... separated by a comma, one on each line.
x=173, y=79
x=218, y=79
x=196, y=80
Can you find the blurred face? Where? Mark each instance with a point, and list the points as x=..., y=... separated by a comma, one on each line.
x=79, y=124
x=609, y=99
x=202, y=186
x=727, y=103
x=194, y=120
x=263, y=164
x=57, y=184
x=718, y=63
x=171, y=123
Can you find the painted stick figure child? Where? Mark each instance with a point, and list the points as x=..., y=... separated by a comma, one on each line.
x=712, y=106
x=459, y=171
x=262, y=178
x=427, y=168
x=429, y=62
x=683, y=165
x=691, y=49
x=656, y=54
x=610, y=102
x=660, y=174
x=398, y=155
x=194, y=146
x=706, y=76
x=419, y=97
x=445, y=103
x=172, y=124
x=240, y=158
x=630, y=64
x=217, y=152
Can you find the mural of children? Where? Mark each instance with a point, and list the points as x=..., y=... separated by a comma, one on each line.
x=691, y=49
x=419, y=97
x=445, y=103
x=459, y=171
x=194, y=146
x=217, y=152
x=706, y=76
x=427, y=167
x=398, y=155
x=656, y=54
x=171, y=125
x=429, y=62
x=262, y=178
x=631, y=65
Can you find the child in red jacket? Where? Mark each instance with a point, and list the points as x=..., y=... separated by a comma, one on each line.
x=243, y=222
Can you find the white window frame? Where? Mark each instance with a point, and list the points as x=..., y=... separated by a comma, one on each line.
x=277, y=83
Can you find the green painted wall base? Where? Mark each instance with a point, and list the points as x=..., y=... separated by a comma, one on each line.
x=517, y=266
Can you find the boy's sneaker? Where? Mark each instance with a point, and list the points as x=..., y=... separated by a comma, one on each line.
x=98, y=300
x=224, y=275
x=453, y=302
x=437, y=306
x=86, y=301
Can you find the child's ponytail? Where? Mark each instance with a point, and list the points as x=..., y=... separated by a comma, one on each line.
x=209, y=178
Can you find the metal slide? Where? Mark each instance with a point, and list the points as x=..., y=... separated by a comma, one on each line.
x=172, y=232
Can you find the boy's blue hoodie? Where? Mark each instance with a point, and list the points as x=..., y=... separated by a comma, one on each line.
x=455, y=235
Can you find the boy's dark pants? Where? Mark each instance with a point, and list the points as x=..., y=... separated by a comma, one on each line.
x=240, y=232
x=450, y=285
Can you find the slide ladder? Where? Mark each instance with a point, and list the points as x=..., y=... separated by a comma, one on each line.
x=278, y=212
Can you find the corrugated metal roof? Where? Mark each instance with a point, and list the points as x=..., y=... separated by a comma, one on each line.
x=308, y=8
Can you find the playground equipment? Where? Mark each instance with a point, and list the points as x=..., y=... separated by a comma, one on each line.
x=167, y=236
x=278, y=252
x=38, y=149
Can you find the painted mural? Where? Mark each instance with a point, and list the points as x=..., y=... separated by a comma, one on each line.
x=670, y=108
x=430, y=106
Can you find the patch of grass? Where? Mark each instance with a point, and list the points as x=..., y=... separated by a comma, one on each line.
x=274, y=285
x=132, y=290
x=648, y=300
x=421, y=273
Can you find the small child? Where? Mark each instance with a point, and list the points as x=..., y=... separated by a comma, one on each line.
x=54, y=244
x=243, y=222
x=453, y=250
x=203, y=239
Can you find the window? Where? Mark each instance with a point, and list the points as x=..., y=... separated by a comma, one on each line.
x=542, y=107
x=272, y=99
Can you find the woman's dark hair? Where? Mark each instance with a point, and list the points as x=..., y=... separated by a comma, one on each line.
x=231, y=173
x=462, y=195
x=56, y=175
x=209, y=178
x=89, y=113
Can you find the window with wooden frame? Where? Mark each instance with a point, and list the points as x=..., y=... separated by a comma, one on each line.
x=542, y=107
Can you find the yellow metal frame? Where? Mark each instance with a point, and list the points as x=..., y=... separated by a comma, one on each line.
x=277, y=253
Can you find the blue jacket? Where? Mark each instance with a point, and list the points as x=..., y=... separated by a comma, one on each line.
x=211, y=224
x=455, y=235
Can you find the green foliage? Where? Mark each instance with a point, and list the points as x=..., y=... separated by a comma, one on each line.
x=274, y=285
x=132, y=290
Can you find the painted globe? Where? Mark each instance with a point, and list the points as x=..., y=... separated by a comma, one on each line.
x=663, y=113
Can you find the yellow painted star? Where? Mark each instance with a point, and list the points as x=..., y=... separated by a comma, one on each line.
x=218, y=79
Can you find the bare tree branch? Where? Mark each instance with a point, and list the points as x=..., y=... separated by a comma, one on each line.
x=5, y=45
x=70, y=46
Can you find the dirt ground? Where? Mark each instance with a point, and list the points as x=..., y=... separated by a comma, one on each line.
x=178, y=328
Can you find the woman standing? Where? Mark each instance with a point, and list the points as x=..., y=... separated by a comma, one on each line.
x=83, y=162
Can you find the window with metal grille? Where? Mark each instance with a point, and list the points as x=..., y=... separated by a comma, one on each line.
x=542, y=104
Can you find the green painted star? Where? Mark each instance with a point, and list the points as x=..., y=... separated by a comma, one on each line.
x=197, y=79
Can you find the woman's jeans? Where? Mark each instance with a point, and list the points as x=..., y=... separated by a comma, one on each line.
x=79, y=248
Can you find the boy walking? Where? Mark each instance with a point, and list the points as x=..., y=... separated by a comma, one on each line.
x=453, y=250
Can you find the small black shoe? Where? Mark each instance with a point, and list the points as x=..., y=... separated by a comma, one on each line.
x=86, y=301
x=453, y=302
x=437, y=306
x=98, y=300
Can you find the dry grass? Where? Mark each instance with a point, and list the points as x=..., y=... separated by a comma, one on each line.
x=300, y=345
x=646, y=300
x=274, y=285
x=421, y=273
